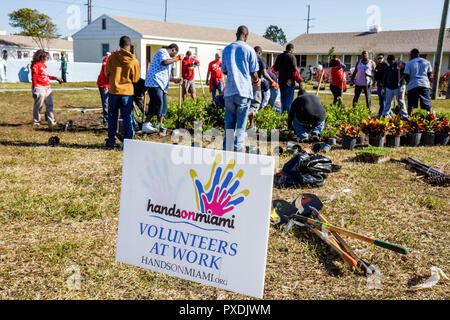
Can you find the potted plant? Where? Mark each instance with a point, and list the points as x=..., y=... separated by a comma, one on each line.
x=429, y=127
x=349, y=135
x=396, y=128
x=415, y=130
x=442, y=131
x=376, y=129
x=373, y=154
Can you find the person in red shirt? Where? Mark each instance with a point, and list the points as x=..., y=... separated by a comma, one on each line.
x=103, y=87
x=41, y=88
x=187, y=73
x=338, y=81
x=216, y=81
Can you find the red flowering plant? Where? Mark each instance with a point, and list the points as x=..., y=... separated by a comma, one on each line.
x=350, y=130
x=430, y=123
x=375, y=127
x=396, y=126
x=443, y=126
x=416, y=124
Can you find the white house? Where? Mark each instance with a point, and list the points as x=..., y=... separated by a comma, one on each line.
x=148, y=36
x=23, y=47
x=313, y=47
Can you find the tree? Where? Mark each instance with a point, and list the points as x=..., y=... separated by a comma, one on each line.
x=34, y=24
x=275, y=34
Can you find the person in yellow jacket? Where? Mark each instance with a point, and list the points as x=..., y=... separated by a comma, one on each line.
x=123, y=70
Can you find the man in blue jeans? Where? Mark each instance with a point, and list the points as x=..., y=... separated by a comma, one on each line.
x=417, y=74
x=240, y=64
x=286, y=66
x=123, y=70
x=307, y=115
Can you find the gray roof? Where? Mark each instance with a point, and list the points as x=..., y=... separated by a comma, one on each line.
x=27, y=42
x=383, y=41
x=195, y=33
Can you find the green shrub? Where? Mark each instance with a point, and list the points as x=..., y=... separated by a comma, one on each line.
x=376, y=152
x=269, y=119
x=338, y=114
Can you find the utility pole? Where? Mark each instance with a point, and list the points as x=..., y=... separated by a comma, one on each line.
x=89, y=11
x=439, y=52
x=308, y=26
x=165, y=13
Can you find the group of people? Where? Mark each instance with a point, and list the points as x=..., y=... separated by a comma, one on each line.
x=393, y=79
x=250, y=85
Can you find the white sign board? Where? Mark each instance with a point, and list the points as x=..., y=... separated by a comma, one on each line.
x=196, y=214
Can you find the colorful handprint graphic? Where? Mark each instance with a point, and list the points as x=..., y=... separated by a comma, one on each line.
x=219, y=196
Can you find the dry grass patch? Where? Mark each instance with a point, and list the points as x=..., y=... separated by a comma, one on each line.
x=59, y=210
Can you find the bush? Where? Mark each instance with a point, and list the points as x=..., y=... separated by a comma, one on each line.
x=337, y=114
x=269, y=119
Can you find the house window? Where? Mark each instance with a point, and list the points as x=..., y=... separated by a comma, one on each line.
x=105, y=49
x=25, y=54
x=303, y=61
x=103, y=24
x=19, y=55
x=194, y=51
x=348, y=62
x=56, y=56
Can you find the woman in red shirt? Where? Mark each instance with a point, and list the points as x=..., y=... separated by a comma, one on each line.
x=338, y=81
x=41, y=88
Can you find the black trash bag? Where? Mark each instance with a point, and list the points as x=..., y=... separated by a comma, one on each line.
x=305, y=170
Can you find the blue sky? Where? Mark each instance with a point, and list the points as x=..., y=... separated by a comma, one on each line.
x=329, y=15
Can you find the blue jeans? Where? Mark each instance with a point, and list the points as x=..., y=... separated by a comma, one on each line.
x=236, y=112
x=158, y=102
x=381, y=98
x=287, y=95
x=399, y=94
x=359, y=90
x=104, y=95
x=273, y=96
x=301, y=130
x=216, y=87
x=125, y=105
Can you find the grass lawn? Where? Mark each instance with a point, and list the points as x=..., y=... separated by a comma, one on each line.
x=59, y=213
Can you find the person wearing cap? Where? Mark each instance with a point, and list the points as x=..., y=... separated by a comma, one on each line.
x=417, y=74
x=103, y=87
x=63, y=67
x=306, y=115
x=240, y=64
x=338, y=81
x=122, y=69
x=188, y=65
x=394, y=85
x=157, y=81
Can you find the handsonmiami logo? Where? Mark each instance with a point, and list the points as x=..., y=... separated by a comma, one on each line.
x=215, y=200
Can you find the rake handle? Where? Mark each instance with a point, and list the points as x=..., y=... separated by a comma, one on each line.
x=355, y=235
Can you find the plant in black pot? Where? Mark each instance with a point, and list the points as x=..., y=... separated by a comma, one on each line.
x=376, y=129
x=415, y=130
x=442, y=131
x=350, y=134
x=396, y=128
x=429, y=127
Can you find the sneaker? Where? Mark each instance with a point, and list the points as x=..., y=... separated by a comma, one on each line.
x=302, y=139
x=315, y=136
x=162, y=129
x=147, y=127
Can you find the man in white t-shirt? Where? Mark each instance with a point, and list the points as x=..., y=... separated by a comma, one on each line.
x=3, y=66
x=417, y=74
